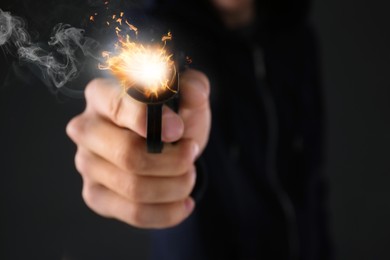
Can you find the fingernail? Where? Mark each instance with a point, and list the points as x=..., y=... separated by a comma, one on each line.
x=189, y=204
x=172, y=127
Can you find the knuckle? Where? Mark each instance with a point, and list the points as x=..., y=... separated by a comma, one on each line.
x=75, y=127
x=91, y=88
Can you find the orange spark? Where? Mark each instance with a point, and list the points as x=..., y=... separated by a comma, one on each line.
x=132, y=27
x=149, y=68
x=167, y=37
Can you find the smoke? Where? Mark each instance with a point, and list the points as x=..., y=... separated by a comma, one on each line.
x=68, y=43
x=12, y=29
x=60, y=60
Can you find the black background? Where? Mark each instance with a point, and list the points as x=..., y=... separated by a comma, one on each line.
x=355, y=43
x=355, y=39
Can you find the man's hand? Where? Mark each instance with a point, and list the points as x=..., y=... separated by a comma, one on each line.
x=121, y=180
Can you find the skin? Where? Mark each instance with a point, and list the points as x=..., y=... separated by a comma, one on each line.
x=235, y=13
x=120, y=179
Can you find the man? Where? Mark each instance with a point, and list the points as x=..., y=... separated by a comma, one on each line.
x=243, y=180
x=248, y=133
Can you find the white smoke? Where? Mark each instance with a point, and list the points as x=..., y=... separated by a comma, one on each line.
x=12, y=30
x=64, y=55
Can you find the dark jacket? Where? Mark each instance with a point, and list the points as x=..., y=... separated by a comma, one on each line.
x=263, y=189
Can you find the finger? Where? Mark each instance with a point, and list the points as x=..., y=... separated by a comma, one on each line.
x=194, y=90
x=137, y=189
x=195, y=108
x=106, y=98
x=109, y=204
x=127, y=150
